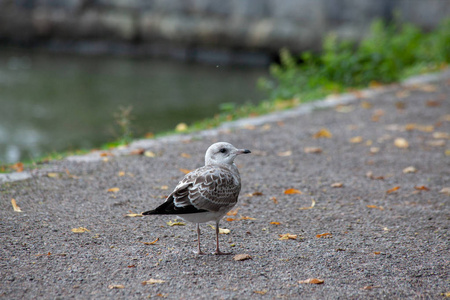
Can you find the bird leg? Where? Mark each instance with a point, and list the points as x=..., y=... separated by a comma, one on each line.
x=199, y=252
x=218, y=252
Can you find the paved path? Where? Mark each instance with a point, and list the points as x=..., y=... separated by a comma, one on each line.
x=376, y=230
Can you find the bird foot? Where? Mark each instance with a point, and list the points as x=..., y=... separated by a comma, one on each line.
x=218, y=252
x=199, y=252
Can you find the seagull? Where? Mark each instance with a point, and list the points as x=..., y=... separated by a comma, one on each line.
x=207, y=193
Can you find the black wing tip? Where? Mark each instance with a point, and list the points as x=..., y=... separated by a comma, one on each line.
x=150, y=212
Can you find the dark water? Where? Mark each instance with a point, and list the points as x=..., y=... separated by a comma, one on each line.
x=58, y=102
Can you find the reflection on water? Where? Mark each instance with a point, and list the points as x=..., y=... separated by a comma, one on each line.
x=58, y=102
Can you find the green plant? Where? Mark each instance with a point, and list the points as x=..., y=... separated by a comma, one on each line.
x=123, y=119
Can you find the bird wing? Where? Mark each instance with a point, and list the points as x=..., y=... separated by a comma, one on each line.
x=208, y=188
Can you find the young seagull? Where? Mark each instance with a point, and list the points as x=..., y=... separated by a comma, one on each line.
x=207, y=193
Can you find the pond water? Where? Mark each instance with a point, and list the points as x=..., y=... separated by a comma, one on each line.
x=54, y=102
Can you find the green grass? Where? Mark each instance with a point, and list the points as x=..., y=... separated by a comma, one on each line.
x=390, y=52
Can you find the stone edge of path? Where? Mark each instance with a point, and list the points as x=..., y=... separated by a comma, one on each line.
x=302, y=109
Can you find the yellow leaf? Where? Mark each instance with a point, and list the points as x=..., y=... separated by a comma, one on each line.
x=436, y=143
x=337, y=185
x=312, y=150
x=275, y=223
x=153, y=281
x=80, y=230
x=401, y=143
x=185, y=155
x=150, y=243
x=374, y=206
x=233, y=212
x=312, y=281
x=441, y=135
x=326, y=234
x=175, y=223
x=374, y=150
x=246, y=218
x=263, y=292
x=149, y=154
x=445, y=191
x=164, y=187
x=409, y=169
x=181, y=127
x=53, y=175
x=313, y=203
x=133, y=215
x=322, y=133
x=15, y=206
x=185, y=171
x=285, y=153
x=274, y=199
x=240, y=257
x=115, y=286
x=356, y=139
x=121, y=173
x=114, y=190
x=292, y=191
x=287, y=236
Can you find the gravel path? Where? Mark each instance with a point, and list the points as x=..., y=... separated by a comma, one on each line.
x=375, y=231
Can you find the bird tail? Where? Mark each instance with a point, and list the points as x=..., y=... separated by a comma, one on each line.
x=150, y=212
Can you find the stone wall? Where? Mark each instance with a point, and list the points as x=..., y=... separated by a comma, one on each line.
x=180, y=26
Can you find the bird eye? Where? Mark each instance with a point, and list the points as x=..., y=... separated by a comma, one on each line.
x=223, y=150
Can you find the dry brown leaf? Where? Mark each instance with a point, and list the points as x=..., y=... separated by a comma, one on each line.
x=150, y=243
x=445, y=191
x=369, y=287
x=185, y=155
x=287, y=236
x=233, y=212
x=116, y=286
x=337, y=185
x=185, y=171
x=175, y=223
x=401, y=143
x=149, y=135
x=164, y=187
x=377, y=252
x=149, y=154
x=285, y=153
x=230, y=219
x=275, y=223
x=356, y=139
x=377, y=114
x=421, y=188
x=312, y=281
x=139, y=151
x=181, y=127
x=254, y=194
x=18, y=167
x=114, y=190
x=312, y=150
x=105, y=154
x=366, y=105
x=409, y=169
x=374, y=206
x=53, y=175
x=263, y=292
x=313, y=203
x=395, y=188
x=322, y=133
x=274, y=199
x=246, y=218
x=292, y=191
x=152, y=281
x=15, y=206
x=433, y=103
x=326, y=235
x=241, y=257
x=79, y=230
x=441, y=135
x=370, y=175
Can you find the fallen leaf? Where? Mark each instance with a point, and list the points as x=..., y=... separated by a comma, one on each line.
x=421, y=188
x=246, y=218
x=263, y=292
x=312, y=150
x=15, y=206
x=313, y=203
x=185, y=171
x=337, y=185
x=53, y=175
x=164, y=187
x=369, y=287
x=292, y=191
x=254, y=194
x=161, y=295
x=149, y=154
x=374, y=206
x=115, y=286
x=185, y=155
x=287, y=236
x=233, y=212
x=322, y=133
x=445, y=191
x=181, y=127
x=441, y=135
x=240, y=257
x=429, y=88
x=377, y=252
x=374, y=150
x=370, y=175
x=79, y=230
x=131, y=266
x=375, y=84
x=175, y=223
x=312, y=281
x=326, y=234
x=121, y=173
x=230, y=219
x=356, y=139
x=275, y=223
x=274, y=199
x=447, y=152
x=18, y=167
x=285, y=153
x=366, y=105
x=392, y=190
x=139, y=151
x=402, y=94
x=221, y=230
x=409, y=169
x=132, y=215
x=152, y=281
x=401, y=143
x=149, y=135
x=114, y=190
x=150, y=243
x=377, y=114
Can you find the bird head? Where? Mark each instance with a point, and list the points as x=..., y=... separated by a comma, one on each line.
x=223, y=153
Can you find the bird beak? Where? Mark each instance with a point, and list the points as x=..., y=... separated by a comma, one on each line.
x=243, y=151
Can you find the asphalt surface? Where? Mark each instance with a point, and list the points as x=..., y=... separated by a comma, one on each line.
x=375, y=231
